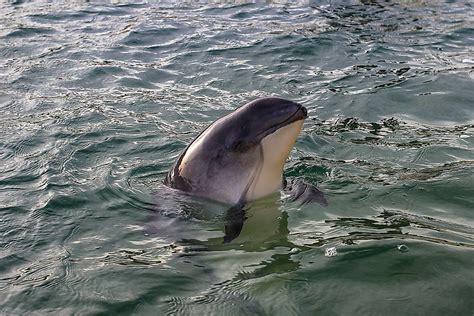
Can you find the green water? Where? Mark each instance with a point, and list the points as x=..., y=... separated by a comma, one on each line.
x=97, y=100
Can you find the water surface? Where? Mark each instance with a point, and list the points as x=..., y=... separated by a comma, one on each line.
x=97, y=100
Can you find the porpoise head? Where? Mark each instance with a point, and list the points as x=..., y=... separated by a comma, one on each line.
x=240, y=156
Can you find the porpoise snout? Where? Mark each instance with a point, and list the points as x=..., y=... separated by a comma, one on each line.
x=304, y=110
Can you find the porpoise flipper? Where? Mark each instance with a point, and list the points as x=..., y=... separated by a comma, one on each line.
x=300, y=190
x=234, y=218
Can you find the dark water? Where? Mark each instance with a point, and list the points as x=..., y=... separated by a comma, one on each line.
x=97, y=100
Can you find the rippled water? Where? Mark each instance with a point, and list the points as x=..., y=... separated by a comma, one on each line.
x=97, y=100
